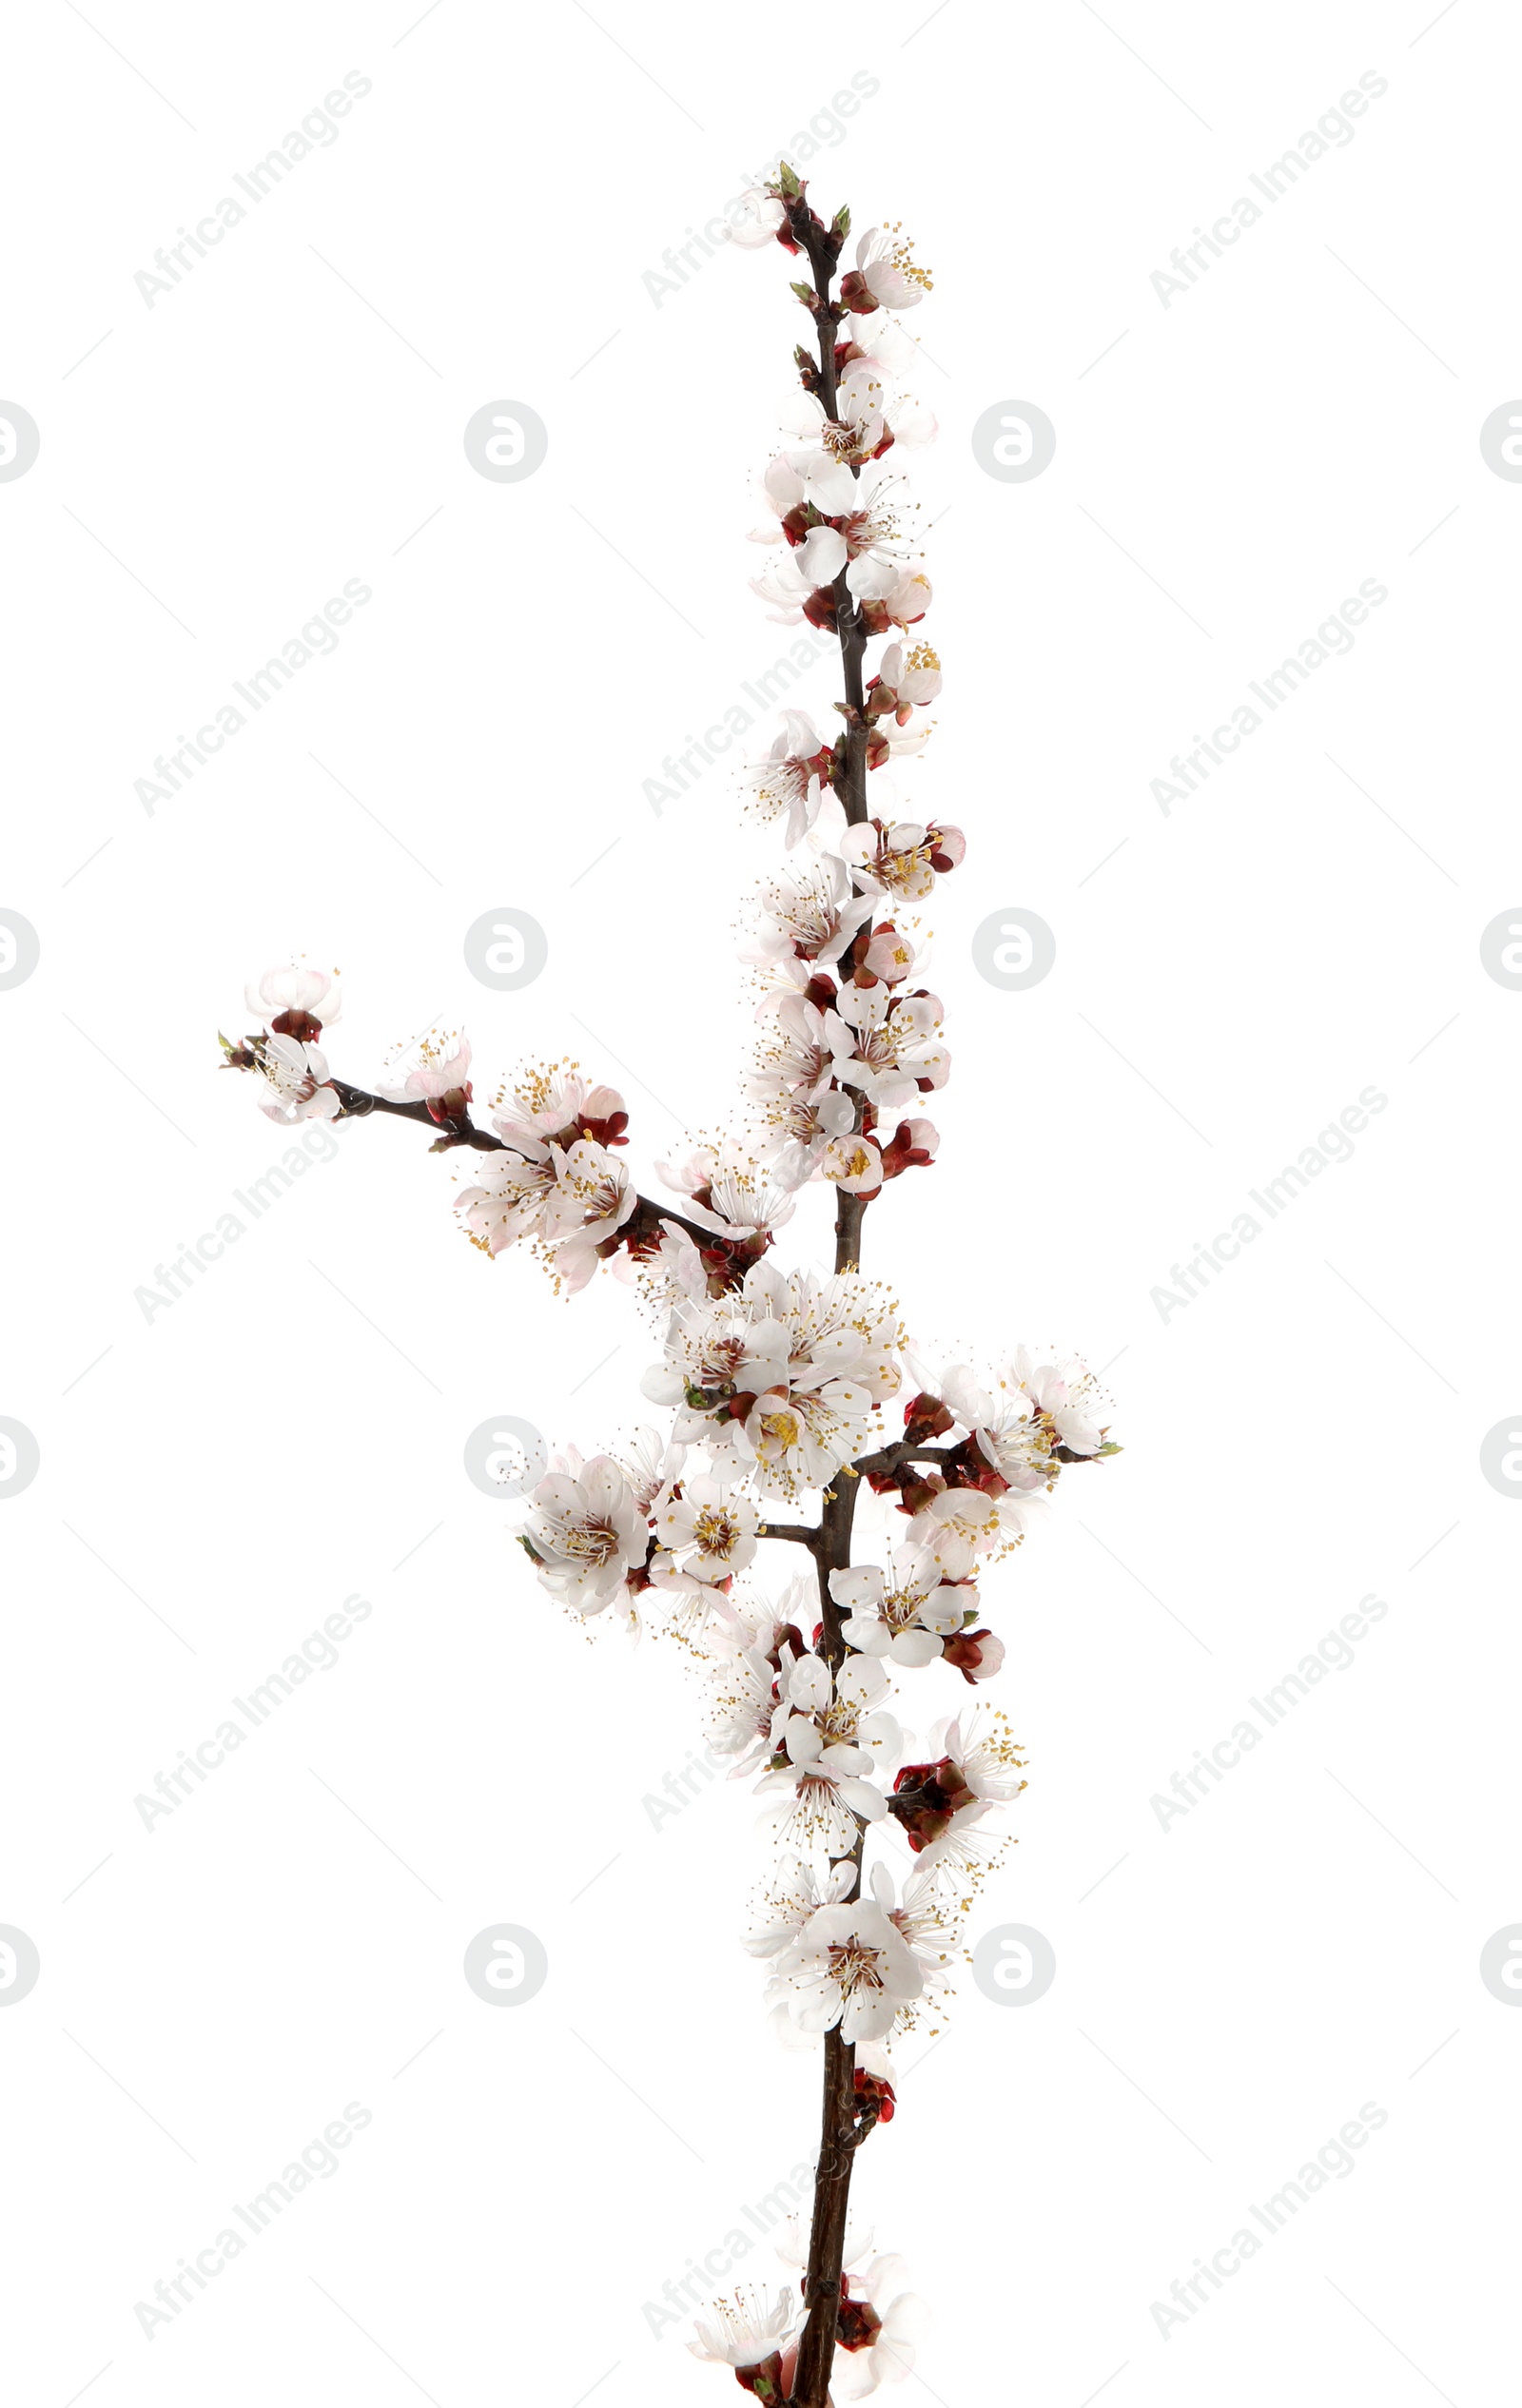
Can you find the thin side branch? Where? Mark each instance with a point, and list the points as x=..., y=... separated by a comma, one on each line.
x=904, y=1451
x=358, y=1103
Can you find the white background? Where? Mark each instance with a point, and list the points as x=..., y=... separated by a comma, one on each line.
x=217, y=1478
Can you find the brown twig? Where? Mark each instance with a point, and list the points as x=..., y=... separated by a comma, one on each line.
x=826, y=2238
x=358, y=1103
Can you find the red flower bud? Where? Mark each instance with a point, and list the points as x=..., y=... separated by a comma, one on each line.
x=925, y=1416
x=858, y=2323
x=916, y=1490
x=924, y=1798
x=298, y=1024
x=875, y=2098
x=977, y=1654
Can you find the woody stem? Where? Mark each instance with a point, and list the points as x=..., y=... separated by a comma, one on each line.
x=826, y=2238
x=358, y=1103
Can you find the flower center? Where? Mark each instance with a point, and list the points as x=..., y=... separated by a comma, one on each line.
x=594, y=1541
x=854, y=1967
x=716, y=1531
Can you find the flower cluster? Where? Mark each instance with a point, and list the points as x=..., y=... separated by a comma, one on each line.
x=795, y=1391
x=780, y=1378
x=554, y=1178
x=878, y=2322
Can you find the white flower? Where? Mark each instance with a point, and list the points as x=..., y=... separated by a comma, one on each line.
x=890, y=954
x=901, y=859
x=816, y=479
x=310, y=994
x=572, y=1199
x=592, y=1197
x=674, y=1271
x=743, y=1704
x=849, y=1966
x=788, y=780
x=795, y=1054
x=783, y=583
x=887, y=1045
x=758, y=214
x=984, y=1754
x=914, y=677
x=732, y=1191
x=960, y=1779
x=889, y=2320
x=649, y=1463
x=854, y=1164
x=841, y=1699
x=1019, y=1449
x=752, y=1624
x=1066, y=1395
x=867, y=417
x=893, y=740
x=928, y=1930
x=710, y=1526
x=885, y=277
x=869, y=545
x=958, y=1525
x=710, y=1356
x=843, y=1324
x=797, y=1437
x=746, y=2330
x=858, y=428
x=805, y=915
x=903, y=1614
x=840, y=1710
x=821, y=1802
x=782, y=1375
x=297, y=1074
x=960, y=1390
x=885, y=340
x=797, y=1893
x=829, y=1742
x=1025, y=1416
x=507, y=1201
x=804, y=1130
x=1010, y=1435
x=554, y=1104
x=907, y=604
x=439, y=1076
x=586, y=1534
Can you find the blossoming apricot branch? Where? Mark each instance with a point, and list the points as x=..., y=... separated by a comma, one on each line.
x=775, y=1380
